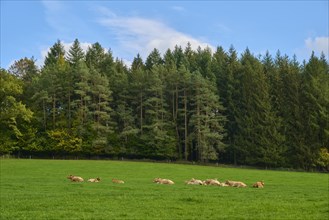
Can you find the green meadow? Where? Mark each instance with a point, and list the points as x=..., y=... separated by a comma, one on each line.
x=39, y=189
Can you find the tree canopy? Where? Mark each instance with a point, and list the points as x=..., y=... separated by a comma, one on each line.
x=184, y=105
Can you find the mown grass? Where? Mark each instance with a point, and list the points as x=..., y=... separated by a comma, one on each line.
x=38, y=189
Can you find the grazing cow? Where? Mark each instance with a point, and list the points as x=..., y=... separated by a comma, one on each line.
x=75, y=178
x=95, y=180
x=118, y=181
x=213, y=182
x=259, y=184
x=163, y=181
x=235, y=183
x=194, y=182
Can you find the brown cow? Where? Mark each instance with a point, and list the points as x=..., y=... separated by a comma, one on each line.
x=163, y=181
x=213, y=182
x=235, y=183
x=259, y=184
x=223, y=184
x=118, y=181
x=194, y=182
x=95, y=180
x=75, y=178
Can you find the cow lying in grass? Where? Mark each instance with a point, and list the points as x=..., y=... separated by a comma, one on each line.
x=259, y=184
x=194, y=182
x=213, y=182
x=163, y=181
x=235, y=183
x=118, y=181
x=223, y=184
x=95, y=180
x=75, y=178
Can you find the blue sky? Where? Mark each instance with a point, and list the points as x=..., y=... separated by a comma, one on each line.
x=30, y=28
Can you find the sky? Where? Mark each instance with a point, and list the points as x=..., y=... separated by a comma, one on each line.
x=30, y=28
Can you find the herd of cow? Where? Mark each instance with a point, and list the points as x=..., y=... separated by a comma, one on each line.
x=214, y=182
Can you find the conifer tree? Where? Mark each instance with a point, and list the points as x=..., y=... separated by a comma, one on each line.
x=75, y=53
x=206, y=122
x=54, y=54
x=258, y=140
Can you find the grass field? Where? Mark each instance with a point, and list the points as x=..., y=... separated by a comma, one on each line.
x=38, y=189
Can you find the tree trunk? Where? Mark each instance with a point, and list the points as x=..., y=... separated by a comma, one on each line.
x=69, y=121
x=185, y=126
x=54, y=110
x=44, y=115
x=141, y=113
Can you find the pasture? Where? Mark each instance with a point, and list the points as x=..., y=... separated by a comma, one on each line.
x=39, y=189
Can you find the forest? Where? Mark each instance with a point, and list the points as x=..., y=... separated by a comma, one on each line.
x=185, y=105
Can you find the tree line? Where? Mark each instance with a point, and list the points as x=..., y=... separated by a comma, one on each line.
x=194, y=105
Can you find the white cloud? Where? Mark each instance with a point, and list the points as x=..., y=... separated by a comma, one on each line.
x=318, y=45
x=141, y=35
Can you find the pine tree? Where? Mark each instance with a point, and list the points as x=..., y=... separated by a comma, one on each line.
x=138, y=79
x=226, y=68
x=81, y=104
x=203, y=60
x=206, y=121
x=100, y=94
x=158, y=130
x=53, y=83
x=95, y=56
x=75, y=53
x=122, y=112
x=183, y=111
x=154, y=58
x=314, y=91
x=55, y=52
x=285, y=99
x=172, y=61
x=75, y=58
x=258, y=140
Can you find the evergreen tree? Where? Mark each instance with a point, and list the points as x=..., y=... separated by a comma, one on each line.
x=75, y=58
x=158, y=132
x=95, y=56
x=55, y=52
x=286, y=101
x=314, y=96
x=75, y=53
x=137, y=80
x=82, y=122
x=124, y=121
x=206, y=119
x=258, y=140
x=183, y=111
x=226, y=68
x=154, y=58
x=100, y=111
x=171, y=79
x=203, y=59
